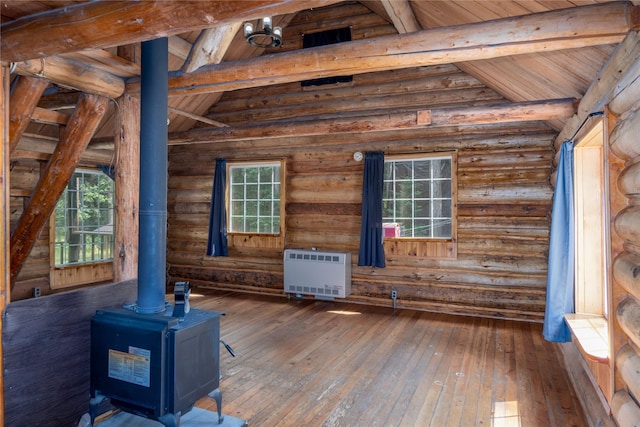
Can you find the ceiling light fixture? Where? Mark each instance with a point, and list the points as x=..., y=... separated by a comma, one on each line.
x=266, y=37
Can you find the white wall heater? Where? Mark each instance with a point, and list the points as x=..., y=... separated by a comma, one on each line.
x=318, y=273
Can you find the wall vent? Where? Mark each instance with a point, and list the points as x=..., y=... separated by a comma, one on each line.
x=322, y=274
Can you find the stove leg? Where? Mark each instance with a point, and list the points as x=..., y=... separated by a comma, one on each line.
x=217, y=396
x=94, y=404
x=170, y=420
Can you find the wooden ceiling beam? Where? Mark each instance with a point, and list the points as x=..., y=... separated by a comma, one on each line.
x=603, y=88
x=401, y=15
x=541, y=32
x=211, y=45
x=24, y=99
x=461, y=116
x=70, y=73
x=96, y=25
x=60, y=168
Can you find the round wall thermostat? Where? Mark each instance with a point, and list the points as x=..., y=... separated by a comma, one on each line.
x=357, y=156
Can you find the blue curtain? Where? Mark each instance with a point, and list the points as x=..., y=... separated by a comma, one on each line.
x=371, y=249
x=217, y=244
x=108, y=170
x=560, y=279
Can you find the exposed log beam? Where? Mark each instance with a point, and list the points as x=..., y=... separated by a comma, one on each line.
x=211, y=46
x=197, y=117
x=524, y=111
x=605, y=86
x=41, y=148
x=179, y=47
x=50, y=117
x=541, y=32
x=127, y=189
x=70, y=73
x=77, y=134
x=95, y=25
x=24, y=99
x=401, y=15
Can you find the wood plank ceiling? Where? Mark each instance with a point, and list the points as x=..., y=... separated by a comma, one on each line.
x=545, y=75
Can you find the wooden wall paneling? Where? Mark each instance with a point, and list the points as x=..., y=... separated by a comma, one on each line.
x=49, y=382
x=503, y=202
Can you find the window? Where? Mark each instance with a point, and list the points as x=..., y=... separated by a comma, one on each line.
x=84, y=220
x=591, y=217
x=324, y=38
x=417, y=199
x=254, y=198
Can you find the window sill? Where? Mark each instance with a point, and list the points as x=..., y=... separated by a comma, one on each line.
x=591, y=333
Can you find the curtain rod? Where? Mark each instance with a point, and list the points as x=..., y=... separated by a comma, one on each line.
x=597, y=113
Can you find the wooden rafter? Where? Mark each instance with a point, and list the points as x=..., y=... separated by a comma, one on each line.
x=95, y=25
x=24, y=99
x=211, y=46
x=68, y=72
x=543, y=32
x=561, y=29
x=401, y=15
x=74, y=140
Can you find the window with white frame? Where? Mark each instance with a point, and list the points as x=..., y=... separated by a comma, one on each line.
x=417, y=198
x=254, y=198
x=84, y=220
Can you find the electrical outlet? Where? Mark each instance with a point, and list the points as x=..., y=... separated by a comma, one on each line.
x=394, y=295
x=36, y=292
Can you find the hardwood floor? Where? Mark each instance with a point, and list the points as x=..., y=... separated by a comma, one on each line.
x=319, y=363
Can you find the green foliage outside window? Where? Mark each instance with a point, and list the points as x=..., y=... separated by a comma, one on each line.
x=255, y=199
x=84, y=220
x=417, y=196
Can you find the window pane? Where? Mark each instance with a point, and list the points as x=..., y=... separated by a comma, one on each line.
x=422, y=169
x=251, y=208
x=442, y=229
x=237, y=223
x=422, y=228
x=237, y=191
x=265, y=208
x=266, y=191
x=442, y=168
x=442, y=189
x=442, y=208
x=422, y=189
x=423, y=208
x=403, y=170
x=251, y=191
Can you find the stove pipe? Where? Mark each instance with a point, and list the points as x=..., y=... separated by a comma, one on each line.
x=152, y=257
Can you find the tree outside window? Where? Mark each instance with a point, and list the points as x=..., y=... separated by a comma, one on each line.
x=254, y=202
x=84, y=220
x=417, y=197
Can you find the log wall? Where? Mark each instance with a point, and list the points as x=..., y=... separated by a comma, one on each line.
x=499, y=262
x=623, y=140
x=25, y=174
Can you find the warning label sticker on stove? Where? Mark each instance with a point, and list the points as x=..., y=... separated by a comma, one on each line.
x=133, y=367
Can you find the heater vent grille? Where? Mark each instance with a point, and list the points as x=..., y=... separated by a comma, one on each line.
x=322, y=274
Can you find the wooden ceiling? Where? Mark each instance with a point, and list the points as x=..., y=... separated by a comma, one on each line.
x=540, y=55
